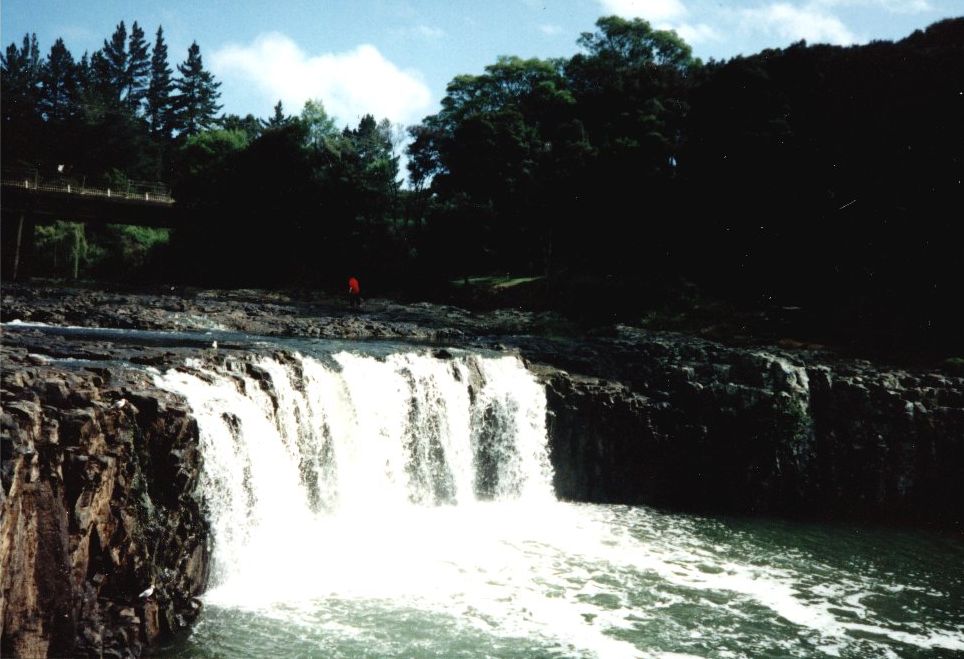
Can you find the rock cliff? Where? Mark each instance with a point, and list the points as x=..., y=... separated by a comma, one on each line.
x=103, y=545
x=678, y=422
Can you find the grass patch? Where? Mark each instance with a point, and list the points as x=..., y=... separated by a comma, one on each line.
x=954, y=365
x=495, y=282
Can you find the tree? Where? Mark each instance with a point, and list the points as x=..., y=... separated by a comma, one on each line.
x=279, y=118
x=98, y=89
x=373, y=148
x=58, y=97
x=20, y=79
x=635, y=43
x=138, y=69
x=248, y=124
x=630, y=85
x=112, y=69
x=196, y=102
x=320, y=125
x=21, y=71
x=204, y=163
x=507, y=149
x=160, y=109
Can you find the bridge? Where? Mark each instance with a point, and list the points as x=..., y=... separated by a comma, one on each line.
x=29, y=199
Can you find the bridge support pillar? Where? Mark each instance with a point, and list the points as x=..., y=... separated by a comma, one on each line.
x=16, y=254
x=22, y=244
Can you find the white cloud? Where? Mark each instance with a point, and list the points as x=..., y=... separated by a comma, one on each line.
x=651, y=10
x=893, y=6
x=550, y=30
x=793, y=23
x=699, y=33
x=350, y=84
x=665, y=15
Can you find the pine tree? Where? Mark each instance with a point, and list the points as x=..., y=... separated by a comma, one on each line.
x=20, y=81
x=196, y=101
x=112, y=71
x=58, y=94
x=21, y=70
x=278, y=119
x=138, y=68
x=159, y=103
x=83, y=71
x=98, y=78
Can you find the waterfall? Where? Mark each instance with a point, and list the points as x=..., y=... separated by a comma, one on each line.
x=402, y=505
x=297, y=447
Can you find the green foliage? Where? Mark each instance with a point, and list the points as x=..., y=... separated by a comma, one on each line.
x=204, y=162
x=126, y=251
x=321, y=127
x=62, y=247
x=70, y=250
x=250, y=125
x=634, y=43
x=509, y=141
x=204, y=152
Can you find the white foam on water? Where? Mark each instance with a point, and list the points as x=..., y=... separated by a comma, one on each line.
x=16, y=322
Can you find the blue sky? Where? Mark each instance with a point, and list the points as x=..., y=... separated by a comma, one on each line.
x=393, y=58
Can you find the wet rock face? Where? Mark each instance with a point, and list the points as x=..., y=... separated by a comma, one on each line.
x=103, y=546
x=697, y=426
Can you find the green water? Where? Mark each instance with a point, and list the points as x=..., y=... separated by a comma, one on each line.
x=564, y=580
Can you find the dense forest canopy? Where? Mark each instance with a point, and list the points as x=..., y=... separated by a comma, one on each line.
x=814, y=176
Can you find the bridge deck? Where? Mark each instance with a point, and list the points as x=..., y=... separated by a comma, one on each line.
x=87, y=205
x=151, y=194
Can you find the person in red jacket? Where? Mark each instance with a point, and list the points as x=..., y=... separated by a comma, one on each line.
x=354, y=292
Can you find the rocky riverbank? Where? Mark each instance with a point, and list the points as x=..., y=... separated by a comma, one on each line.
x=104, y=545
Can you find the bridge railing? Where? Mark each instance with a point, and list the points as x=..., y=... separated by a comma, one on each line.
x=29, y=179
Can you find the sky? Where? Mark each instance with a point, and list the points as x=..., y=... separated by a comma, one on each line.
x=394, y=58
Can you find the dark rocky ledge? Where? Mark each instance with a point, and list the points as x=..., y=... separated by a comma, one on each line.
x=687, y=424
x=103, y=544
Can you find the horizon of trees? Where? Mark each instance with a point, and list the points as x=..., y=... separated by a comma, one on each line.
x=116, y=113
x=814, y=176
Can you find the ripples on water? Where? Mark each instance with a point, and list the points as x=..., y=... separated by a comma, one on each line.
x=588, y=580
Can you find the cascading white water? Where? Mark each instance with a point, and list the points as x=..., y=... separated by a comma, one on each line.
x=403, y=505
x=288, y=442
